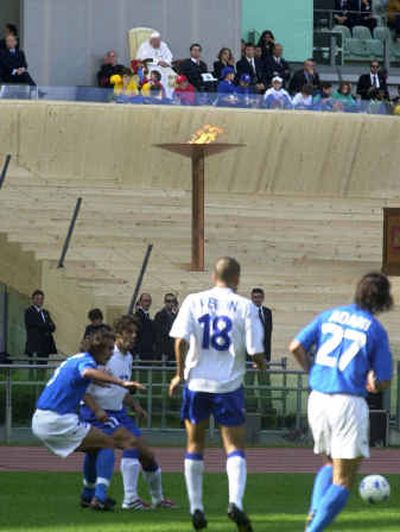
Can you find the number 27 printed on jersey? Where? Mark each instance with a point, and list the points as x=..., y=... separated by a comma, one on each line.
x=327, y=352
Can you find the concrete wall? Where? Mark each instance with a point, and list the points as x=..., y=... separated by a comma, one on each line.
x=291, y=21
x=10, y=12
x=65, y=40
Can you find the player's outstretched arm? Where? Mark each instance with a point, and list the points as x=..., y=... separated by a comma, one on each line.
x=95, y=374
x=300, y=354
x=374, y=385
x=181, y=349
x=135, y=406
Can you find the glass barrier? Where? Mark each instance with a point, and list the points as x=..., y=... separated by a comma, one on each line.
x=270, y=101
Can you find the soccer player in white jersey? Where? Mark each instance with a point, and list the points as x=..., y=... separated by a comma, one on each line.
x=352, y=357
x=106, y=409
x=214, y=330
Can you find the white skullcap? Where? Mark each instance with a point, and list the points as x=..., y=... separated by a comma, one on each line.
x=155, y=35
x=277, y=78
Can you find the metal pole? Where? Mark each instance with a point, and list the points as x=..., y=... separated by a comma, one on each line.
x=4, y=170
x=69, y=234
x=198, y=211
x=8, y=420
x=140, y=278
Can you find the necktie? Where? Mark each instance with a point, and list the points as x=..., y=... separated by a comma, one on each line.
x=252, y=69
x=261, y=314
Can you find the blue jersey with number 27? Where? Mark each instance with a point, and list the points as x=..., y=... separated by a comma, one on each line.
x=67, y=386
x=349, y=342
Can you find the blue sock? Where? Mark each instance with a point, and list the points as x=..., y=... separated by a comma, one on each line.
x=322, y=482
x=104, y=467
x=89, y=475
x=333, y=502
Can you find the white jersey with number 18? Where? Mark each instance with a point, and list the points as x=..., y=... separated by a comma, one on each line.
x=220, y=327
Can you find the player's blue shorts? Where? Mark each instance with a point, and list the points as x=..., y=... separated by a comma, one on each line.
x=227, y=408
x=117, y=419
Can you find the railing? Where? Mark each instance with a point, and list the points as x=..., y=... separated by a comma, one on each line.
x=214, y=99
x=277, y=398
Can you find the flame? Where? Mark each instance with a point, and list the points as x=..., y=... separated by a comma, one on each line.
x=206, y=135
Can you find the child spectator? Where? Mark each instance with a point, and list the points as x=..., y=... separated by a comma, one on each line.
x=303, y=99
x=184, y=91
x=277, y=97
x=153, y=87
x=226, y=85
x=125, y=86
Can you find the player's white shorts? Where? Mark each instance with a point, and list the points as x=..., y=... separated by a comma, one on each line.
x=339, y=424
x=61, y=433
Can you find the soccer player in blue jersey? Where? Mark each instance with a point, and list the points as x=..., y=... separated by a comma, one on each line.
x=55, y=421
x=214, y=330
x=352, y=357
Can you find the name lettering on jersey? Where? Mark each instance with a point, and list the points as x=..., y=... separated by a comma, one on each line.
x=233, y=305
x=352, y=320
x=212, y=304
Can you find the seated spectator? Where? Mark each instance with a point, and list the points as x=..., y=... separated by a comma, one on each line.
x=13, y=65
x=276, y=65
x=266, y=43
x=146, y=339
x=304, y=98
x=153, y=87
x=396, y=102
x=277, y=97
x=345, y=13
x=110, y=67
x=226, y=85
x=10, y=29
x=124, y=85
x=194, y=68
x=156, y=51
x=244, y=86
x=370, y=84
x=323, y=100
x=393, y=17
x=225, y=58
x=184, y=91
x=253, y=67
x=95, y=316
x=163, y=322
x=308, y=75
x=366, y=17
x=258, y=53
x=344, y=96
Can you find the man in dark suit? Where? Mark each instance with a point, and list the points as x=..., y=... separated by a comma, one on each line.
x=276, y=65
x=10, y=29
x=146, y=338
x=265, y=314
x=109, y=67
x=373, y=85
x=254, y=67
x=163, y=322
x=39, y=328
x=308, y=75
x=194, y=68
x=13, y=64
x=346, y=12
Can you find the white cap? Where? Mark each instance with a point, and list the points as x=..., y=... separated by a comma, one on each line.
x=277, y=78
x=155, y=35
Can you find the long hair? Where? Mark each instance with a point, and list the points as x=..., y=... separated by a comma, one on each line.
x=373, y=293
x=97, y=339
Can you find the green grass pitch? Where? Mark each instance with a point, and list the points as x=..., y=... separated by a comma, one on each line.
x=47, y=502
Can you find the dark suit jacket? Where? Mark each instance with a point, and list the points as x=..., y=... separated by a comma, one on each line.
x=299, y=79
x=105, y=73
x=11, y=61
x=364, y=85
x=163, y=322
x=350, y=5
x=193, y=72
x=259, y=76
x=39, y=337
x=281, y=69
x=146, y=338
x=267, y=323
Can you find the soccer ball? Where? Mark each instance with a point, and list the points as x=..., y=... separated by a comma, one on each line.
x=374, y=489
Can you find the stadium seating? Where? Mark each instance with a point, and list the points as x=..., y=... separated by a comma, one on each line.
x=302, y=210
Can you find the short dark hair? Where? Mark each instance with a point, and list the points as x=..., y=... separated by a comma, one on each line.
x=373, y=293
x=196, y=44
x=157, y=74
x=307, y=89
x=257, y=291
x=97, y=338
x=95, y=314
x=127, y=321
x=326, y=85
x=142, y=296
x=250, y=45
x=12, y=28
x=37, y=293
x=168, y=295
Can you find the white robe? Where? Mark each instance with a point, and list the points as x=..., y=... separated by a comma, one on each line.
x=146, y=51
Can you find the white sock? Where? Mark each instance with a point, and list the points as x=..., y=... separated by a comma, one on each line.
x=237, y=473
x=154, y=482
x=130, y=468
x=194, y=468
